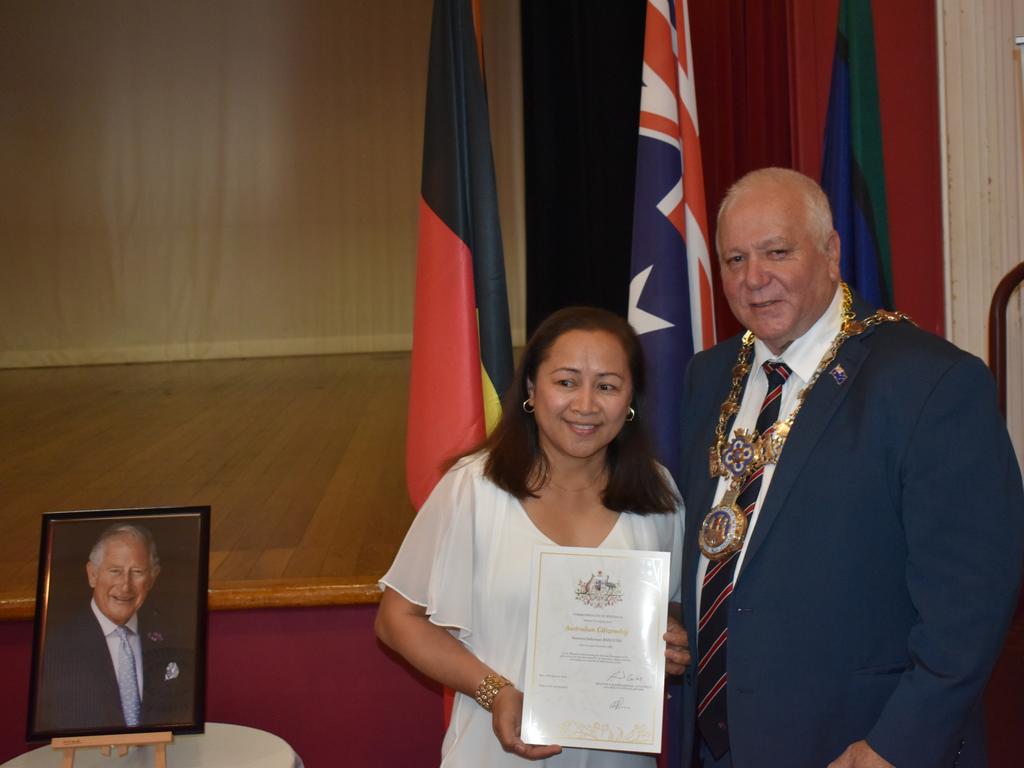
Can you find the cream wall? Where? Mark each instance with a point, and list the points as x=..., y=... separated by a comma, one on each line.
x=983, y=171
x=234, y=178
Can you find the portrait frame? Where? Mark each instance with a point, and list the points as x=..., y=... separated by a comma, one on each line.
x=83, y=591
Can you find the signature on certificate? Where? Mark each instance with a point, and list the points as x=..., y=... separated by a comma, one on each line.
x=619, y=703
x=628, y=677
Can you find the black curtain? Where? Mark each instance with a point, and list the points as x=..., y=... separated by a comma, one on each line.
x=582, y=65
x=581, y=90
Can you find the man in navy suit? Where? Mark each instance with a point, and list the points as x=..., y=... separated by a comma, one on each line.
x=855, y=520
x=112, y=664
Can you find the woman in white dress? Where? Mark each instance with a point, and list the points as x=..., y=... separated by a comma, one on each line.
x=568, y=464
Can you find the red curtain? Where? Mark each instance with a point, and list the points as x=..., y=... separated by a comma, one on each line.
x=741, y=66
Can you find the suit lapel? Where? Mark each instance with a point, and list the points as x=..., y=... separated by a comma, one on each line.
x=811, y=423
x=153, y=644
x=704, y=486
x=104, y=703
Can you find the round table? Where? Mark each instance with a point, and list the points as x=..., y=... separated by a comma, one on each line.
x=222, y=746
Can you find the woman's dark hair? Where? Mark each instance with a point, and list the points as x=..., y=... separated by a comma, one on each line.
x=515, y=460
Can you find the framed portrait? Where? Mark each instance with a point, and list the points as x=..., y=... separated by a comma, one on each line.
x=120, y=625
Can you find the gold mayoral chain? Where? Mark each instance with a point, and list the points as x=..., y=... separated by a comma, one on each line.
x=725, y=526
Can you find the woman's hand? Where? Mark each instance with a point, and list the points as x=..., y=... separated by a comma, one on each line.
x=677, y=648
x=404, y=626
x=507, y=718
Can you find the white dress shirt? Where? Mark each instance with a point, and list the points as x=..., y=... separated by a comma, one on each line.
x=803, y=357
x=114, y=642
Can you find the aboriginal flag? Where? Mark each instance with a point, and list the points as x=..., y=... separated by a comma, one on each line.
x=853, y=170
x=462, y=348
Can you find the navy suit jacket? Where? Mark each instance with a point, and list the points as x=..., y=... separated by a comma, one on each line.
x=883, y=572
x=77, y=687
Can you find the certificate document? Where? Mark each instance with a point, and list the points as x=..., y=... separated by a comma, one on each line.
x=595, y=656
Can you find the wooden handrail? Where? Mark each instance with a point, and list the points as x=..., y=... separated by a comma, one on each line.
x=245, y=595
x=997, y=329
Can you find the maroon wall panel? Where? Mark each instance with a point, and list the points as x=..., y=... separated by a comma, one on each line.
x=15, y=661
x=316, y=677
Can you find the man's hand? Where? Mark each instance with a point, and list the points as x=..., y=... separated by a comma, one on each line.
x=860, y=755
x=677, y=649
x=506, y=719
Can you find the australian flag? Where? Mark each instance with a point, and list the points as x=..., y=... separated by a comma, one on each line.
x=670, y=298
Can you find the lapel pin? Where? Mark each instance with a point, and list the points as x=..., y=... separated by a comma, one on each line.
x=838, y=373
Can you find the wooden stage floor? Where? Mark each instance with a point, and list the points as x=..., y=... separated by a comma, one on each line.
x=301, y=460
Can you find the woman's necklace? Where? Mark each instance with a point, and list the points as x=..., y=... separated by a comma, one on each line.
x=725, y=526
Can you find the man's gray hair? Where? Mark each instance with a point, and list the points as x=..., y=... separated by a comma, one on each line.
x=819, y=212
x=117, y=530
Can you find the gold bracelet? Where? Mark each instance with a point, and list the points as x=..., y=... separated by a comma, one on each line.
x=488, y=689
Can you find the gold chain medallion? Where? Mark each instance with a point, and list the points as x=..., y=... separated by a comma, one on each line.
x=725, y=526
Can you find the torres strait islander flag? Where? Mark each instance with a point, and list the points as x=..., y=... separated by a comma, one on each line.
x=853, y=170
x=670, y=296
x=462, y=347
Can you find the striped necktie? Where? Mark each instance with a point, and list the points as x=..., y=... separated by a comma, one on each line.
x=713, y=629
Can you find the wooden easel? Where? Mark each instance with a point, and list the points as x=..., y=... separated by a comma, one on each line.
x=159, y=740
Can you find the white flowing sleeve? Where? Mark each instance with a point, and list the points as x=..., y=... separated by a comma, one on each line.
x=434, y=566
x=676, y=577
